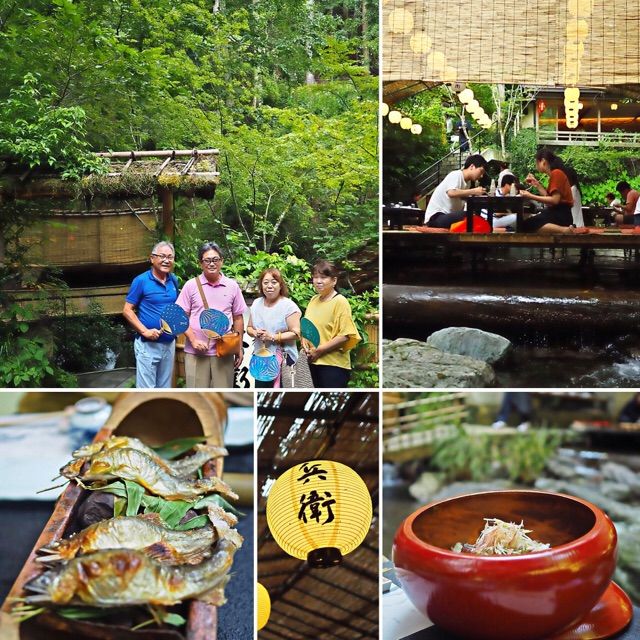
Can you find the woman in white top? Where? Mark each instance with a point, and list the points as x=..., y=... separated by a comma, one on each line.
x=576, y=208
x=274, y=322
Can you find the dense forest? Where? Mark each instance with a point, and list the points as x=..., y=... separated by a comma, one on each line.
x=285, y=89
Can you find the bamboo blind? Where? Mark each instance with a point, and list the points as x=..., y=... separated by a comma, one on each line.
x=541, y=42
x=74, y=240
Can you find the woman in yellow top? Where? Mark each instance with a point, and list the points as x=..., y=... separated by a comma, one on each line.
x=330, y=312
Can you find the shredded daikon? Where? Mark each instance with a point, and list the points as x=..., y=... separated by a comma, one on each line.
x=500, y=538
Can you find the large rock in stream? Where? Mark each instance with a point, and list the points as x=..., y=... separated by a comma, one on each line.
x=474, y=343
x=411, y=363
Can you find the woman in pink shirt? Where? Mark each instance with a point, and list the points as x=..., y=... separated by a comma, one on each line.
x=203, y=367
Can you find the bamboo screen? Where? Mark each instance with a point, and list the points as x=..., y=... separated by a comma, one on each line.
x=541, y=42
x=115, y=239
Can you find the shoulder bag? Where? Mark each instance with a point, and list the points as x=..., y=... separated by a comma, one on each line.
x=229, y=343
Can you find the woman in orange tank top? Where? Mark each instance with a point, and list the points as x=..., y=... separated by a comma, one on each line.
x=556, y=217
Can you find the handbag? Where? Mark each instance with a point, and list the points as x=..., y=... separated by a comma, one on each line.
x=228, y=344
x=296, y=375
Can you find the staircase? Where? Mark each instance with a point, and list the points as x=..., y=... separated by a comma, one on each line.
x=427, y=180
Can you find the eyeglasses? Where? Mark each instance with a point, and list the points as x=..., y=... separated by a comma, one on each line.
x=163, y=258
x=211, y=260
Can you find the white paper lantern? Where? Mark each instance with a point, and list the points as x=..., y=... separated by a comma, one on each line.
x=465, y=96
x=395, y=117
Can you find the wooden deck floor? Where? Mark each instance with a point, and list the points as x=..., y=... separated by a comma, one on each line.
x=608, y=240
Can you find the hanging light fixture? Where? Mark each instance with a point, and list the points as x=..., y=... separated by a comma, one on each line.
x=405, y=122
x=384, y=109
x=572, y=106
x=319, y=511
x=264, y=605
x=465, y=96
x=614, y=106
x=416, y=129
x=395, y=117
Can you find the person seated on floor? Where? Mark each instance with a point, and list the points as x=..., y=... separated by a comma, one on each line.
x=612, y=201
x=504, y=219
x=504, y=171
x=556, y=217
x=625, y=212
x=446, y=205
x=576, y=194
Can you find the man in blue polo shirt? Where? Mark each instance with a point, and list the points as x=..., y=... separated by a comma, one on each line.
x=149, y=294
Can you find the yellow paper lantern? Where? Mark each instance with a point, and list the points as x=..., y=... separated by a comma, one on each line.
x=572, y=94
x=384, y=109
x=319, y=511
x=395, y=117
x=264, y=605
x=405, y=123
x=614, y=106
x=473, y=106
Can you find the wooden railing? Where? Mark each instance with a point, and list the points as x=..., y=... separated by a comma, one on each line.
x=410, y=428
x=589, y=138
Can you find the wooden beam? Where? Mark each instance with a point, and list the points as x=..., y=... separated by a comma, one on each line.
x=176, y=153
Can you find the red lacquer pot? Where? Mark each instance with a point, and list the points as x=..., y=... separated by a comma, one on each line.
x=525, y=597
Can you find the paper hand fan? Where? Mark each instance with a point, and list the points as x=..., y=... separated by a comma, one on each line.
x=264, y=366
x=214, y=323
x=310, y=331
x=173, y=320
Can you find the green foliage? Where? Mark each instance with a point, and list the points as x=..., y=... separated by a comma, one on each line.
x=25, y=357
x=522, y=150
x=467, y=456
x=406, y=155
x=367, y=377
x=526, y=456
x=282, y=87
x=597, y=164
x=34, y=131
x=82, y=341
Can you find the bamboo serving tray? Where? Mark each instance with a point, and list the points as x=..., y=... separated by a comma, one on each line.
x=154, y=418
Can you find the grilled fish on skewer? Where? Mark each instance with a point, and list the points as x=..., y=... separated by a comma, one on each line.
x=127, y=577
x=131, y=464
x=144, y=532
x=183, y=467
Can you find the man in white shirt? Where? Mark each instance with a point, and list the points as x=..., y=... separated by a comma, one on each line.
x=446, y=205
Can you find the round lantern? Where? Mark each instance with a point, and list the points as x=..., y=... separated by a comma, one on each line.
x=395, y=117
x=384, y=109
x=405, y=123
x=319, y=511
x=416, y=129
x=465, y=96
x=264, y=605
x=572, y=94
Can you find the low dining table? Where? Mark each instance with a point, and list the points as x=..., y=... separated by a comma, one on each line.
x=394, y=216
x=476, y=204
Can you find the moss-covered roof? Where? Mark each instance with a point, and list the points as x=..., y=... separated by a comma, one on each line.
x=187, y=172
